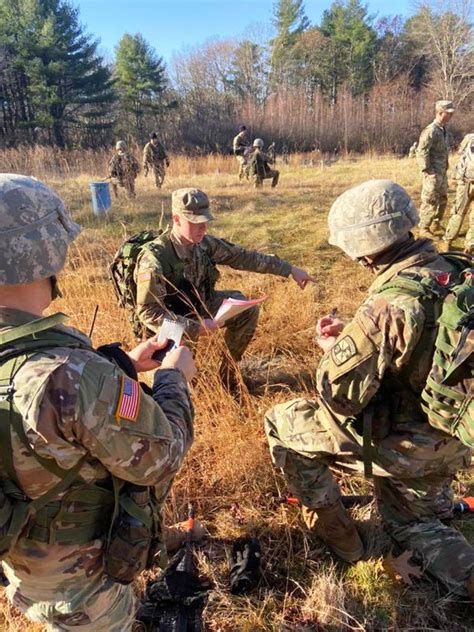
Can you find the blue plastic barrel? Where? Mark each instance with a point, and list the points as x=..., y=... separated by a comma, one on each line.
x=100, y=192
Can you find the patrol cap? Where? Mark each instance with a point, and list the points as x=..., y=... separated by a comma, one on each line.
x=192, y=204
x=370, y=217
x=35, y=230
x=444, y=106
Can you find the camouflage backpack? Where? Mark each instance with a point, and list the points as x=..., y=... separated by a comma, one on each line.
x=121, y=273
x=447, y=398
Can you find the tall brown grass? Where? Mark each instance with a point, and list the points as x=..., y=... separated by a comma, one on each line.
x=228, y=474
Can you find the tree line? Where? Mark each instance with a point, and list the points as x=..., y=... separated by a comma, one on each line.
x=353, y=82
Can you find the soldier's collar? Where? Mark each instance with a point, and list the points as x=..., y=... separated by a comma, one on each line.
x=420, y=252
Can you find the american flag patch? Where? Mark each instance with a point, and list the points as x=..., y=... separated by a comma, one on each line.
x=129, y=400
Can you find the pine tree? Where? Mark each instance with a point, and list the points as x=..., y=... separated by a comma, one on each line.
x=66, y=85
x=352, y=44
x=290, y=21
x=140, y=82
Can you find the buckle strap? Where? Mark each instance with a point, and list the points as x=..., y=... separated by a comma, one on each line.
x=33, y=327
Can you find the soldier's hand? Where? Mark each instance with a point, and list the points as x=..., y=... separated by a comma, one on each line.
x=141, y=354
x=182, y=359
x=301, y=277
x=328, y=329
x=207, y=326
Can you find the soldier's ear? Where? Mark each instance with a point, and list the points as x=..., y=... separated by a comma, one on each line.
x=176, y=219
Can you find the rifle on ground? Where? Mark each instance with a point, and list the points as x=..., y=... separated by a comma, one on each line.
x=175, y=602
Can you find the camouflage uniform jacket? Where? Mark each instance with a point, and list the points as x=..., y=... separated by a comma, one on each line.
x=240, y=143
x=372, y=361
x=194, y=276
x=433, y=149
x=153, y=154
x=73, y=404
x=123, y=166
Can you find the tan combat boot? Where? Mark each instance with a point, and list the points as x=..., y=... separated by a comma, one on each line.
x=425, y=233
x=436, y=228
x=335, y=527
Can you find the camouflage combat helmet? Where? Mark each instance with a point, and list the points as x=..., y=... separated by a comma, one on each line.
x=368, y=218
x=258, y=142
x=35, y=230
x=121, y=145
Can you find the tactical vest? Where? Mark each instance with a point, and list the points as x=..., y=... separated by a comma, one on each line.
x=446, y=347
x=86, y=511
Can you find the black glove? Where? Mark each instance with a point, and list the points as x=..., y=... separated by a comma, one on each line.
x=244, y=561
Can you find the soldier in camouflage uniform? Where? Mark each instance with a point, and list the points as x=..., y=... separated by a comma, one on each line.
x=259, y=165
x=369, y=382
x=176, y=275
x=79, y=413
x=156, y=159
x=464, y=196
x=123, y=169
x=240, y=147
x=432, y=155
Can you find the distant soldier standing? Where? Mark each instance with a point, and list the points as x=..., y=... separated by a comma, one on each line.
x=432, y=156
x=123, y=169
x=464, y=195
x=240, y=146
x=259, y=165
x=156, y=159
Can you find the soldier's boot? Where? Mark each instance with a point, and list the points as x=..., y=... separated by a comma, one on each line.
x=436, y=228
x=425, y=233
x=335, y=527
x=445, y=245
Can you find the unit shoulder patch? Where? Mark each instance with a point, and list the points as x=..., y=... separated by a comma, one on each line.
x=343, y=350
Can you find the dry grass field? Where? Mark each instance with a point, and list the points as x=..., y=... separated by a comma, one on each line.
x=228, y=474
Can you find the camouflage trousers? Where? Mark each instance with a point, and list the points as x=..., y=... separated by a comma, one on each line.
x=159, y=173
x=242, y=167
x=272, y=173
x=464, y=200
x=239, y=330
x=413, y=469
x=434, y=198
x=127, y=182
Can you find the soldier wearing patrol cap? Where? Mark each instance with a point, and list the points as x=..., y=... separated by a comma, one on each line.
x=368, y=415
x=176, y=274
x=76, y=428
x=432, y=156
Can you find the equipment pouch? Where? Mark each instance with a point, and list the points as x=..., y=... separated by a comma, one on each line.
x=131, y=536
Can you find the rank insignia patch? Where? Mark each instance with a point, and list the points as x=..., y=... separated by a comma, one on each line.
x=129, y=400
x=343, y=351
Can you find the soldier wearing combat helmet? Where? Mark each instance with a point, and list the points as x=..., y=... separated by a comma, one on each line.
x=79, y=436
x=123, y=169
x=432, y=155
x=368, y=416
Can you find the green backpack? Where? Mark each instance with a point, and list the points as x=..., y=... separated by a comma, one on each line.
x=447, y=398
x=121, y=273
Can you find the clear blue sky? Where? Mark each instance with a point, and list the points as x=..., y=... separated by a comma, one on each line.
x=171, y=25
